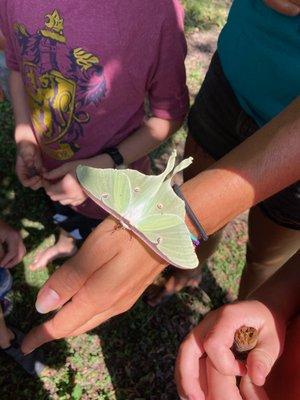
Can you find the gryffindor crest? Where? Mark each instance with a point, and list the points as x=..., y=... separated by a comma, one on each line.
x=57, y=80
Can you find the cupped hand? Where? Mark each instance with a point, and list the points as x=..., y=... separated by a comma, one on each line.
x=62, y=185
x=213, y=338
x=29, y=167
x=13, y=249
x=287, y=7
x=105, y=278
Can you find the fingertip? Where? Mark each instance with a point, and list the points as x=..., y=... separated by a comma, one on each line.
x=47, y=300
x=258, y=374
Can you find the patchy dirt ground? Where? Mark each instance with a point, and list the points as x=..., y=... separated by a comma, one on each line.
x=201, y=47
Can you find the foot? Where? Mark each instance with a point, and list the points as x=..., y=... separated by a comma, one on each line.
x=33, y=362
x=65, y=247
x=162, y=290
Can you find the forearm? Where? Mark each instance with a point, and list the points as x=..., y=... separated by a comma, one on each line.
x=262, y=165
x=23, y=129
x=281, y=293
x=151, y=134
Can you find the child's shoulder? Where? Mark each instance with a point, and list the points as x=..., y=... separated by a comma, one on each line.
x=149, y=15
x=147, y=9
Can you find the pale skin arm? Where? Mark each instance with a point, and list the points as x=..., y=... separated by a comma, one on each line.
x=67, y=190
x=29, y=161
x=153, y=132
x=110, y=271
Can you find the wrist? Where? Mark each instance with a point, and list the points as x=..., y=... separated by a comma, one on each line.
x=101, y=161
x=116, y=158
x=24, y=134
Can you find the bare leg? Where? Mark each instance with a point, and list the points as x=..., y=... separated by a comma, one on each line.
x=269, y=247
x=64, y=247
x=184, y=278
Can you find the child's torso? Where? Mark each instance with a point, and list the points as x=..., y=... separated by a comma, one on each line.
x=83, y=73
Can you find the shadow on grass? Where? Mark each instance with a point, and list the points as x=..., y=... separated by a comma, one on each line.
x=15, y=383
x=27, y=210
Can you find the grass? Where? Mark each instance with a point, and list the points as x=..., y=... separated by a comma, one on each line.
x=203, y=14
x=132, y=356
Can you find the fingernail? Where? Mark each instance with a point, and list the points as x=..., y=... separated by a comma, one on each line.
x=48, y=300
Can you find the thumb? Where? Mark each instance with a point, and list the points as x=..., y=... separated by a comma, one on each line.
x=57, y=172
x=261, y=360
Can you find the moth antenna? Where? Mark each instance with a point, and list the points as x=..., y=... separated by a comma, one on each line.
x=182, y=165
x=170, y=166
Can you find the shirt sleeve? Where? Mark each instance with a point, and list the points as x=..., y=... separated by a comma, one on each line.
x=7, y=30
x=168, y=92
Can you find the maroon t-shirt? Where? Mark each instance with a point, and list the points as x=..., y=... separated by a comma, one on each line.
x=88, y=66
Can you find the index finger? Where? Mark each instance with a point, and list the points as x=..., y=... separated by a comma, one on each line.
x=188, y=365
x=69, y=318
x=90, y=301
x=219, y=340
x=96, y=251
x=221, y=387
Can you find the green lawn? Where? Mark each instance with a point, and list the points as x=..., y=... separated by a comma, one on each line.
x=132, y=356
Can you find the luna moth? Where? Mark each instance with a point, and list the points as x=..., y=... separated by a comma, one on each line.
x=147, y=205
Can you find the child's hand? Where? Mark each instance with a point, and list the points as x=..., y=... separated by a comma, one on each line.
x=62, y=185
x=214, y=337
x=29, y=165
x=13, y=249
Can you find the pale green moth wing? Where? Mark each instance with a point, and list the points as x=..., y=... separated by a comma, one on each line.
x=147, y=187
x=166, y=201
x=109, y=188
x=147, y=205
x=168, y=236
